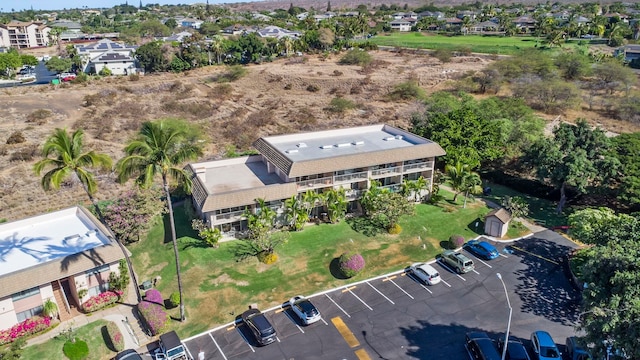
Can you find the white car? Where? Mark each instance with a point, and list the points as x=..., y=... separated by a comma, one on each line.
x=304, y=309
x=425, y=273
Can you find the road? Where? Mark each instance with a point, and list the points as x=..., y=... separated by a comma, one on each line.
x=395, y=317
x=43, y=76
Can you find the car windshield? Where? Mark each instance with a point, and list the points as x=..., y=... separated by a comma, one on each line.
x=468, y=263
x=435, y=275
x=549, y=352
x=175, y=351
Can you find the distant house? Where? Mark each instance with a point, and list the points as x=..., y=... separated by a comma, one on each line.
x=496, y=222
x=485, y=26
x=118, y=58
x=21, y=34
x=55, y=256
x=277, y=32
x=191, y=23
x=629, y=52
x=525, y=23
x=452, y=22
x=261, y=17
x=400, y=25
x=467, y=13
x=177, y=37
x=438, y=15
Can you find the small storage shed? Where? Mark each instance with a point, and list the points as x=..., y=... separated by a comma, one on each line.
x=496, y=223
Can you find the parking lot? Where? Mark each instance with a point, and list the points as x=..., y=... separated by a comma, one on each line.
x=396, y=317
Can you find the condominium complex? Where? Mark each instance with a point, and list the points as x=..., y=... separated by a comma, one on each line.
x=293, y=164
x=21, y=34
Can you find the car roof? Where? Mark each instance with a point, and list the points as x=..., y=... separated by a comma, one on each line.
x=544, y=338
x=170, y=340
x=486, y=245
x=427, y=268
x=305, y=305
x=128, y=354
x=516, y=350
x=477, y=335
x=261, y=322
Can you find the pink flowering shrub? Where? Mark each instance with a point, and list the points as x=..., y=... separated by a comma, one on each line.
x=30, y=326
x=351, y=264
x=154, y=317
x=100, y=301
x=154, y=296
x=115, y=336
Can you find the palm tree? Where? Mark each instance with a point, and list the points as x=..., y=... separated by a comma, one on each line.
x=459, y=175
x=160, y=149
x=68, y=160
x=296, y=212
x=473, y=185
x=336, y=204
x=218, y=46
x=419, y=186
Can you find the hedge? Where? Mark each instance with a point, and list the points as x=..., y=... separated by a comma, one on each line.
x=154, y=296
x=154, y=317
x=115, y=336
x=351, y=264
x=28, y=327
x=101, y=301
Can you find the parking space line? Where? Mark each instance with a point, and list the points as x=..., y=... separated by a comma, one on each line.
x=362, y=354
x=378, y=291
x=336, y=304
x=326, y=323
x=246, y=340
x=347, y=335
x=446, y=283
x=453, y=271
x=189, y=352
x=474, y=270
x=480, y=260
x=277, y=338
x=504, y=256
x=357, y=297
x=401, y=289
x=414, y=278
x=426, y=288
x=216, y=343
x=293, y=321
x=536, y=255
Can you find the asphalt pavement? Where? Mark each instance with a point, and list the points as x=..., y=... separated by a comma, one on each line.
x=396, y=317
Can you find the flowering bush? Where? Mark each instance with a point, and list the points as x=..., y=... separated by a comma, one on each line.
x=351, y=264
x=28, y=327
x=456, y=241
x=115, y=336
x=395, y=229
x=154, y=296
x=154, y=316
x=98, y=302
x=267, y=257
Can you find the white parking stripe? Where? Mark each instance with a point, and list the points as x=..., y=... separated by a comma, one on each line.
x=455, y=272
x=293, y=321
x=336, y=304
x=426, y=288
x=490, y=267
x=474, y=270
x=398, y=286
x=378, y=291
x=189, y=352
x=446, y=283
x=326, y=323
x=246, y=340
x=357, y=297
x=504, y=256
x=277, y=338
x=215, y=342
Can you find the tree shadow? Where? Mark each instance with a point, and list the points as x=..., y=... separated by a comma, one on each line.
x=364, y=226
x=542, y=292
x=334, y=269
x=107, y=339
x=12, y=242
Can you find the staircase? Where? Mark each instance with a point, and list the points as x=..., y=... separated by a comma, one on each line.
x=63, y=312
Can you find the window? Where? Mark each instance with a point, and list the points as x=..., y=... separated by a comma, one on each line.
x=24, y=315
x=25, y=293
x=97, y=270
x=97, y=290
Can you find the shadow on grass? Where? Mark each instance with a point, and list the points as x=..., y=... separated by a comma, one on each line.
x=334, y=269
x=364, y=226
x=477, y=226
x=182, y=223
x=107, y=339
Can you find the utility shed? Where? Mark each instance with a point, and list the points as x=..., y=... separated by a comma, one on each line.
x=496, y=223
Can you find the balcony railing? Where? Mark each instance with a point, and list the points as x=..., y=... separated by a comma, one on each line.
x=386, y=171
x=353, y=194
x=392, y=187
x=313, y=183
x=350, y=177
x=427, y=165
x=233, y=215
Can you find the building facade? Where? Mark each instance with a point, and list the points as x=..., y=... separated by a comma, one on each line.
x=21, y=34
x=53, y=257
x=291, y=165
x=118, y=58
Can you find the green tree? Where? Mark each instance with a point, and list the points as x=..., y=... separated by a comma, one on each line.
x=151, y=57
x=384, y=208
x=516, y=205
x=573, y=66
x=550, y=96
x=27, y=59
x=601, y=226
x=576, y=156
x=10, y=61
x=295, y=212
x=613, y=75
x=336, y=202
x=462, y=179
x=59, y=65
x=171, y=23
x=218, y=46
x=626, y=147
x=160, y=149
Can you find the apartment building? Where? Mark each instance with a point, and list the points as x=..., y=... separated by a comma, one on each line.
x=315, y=161
x=21, y=34
x=53, y=257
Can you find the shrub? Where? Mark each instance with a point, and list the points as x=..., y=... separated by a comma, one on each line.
x=339, y=104
x=221, y=91
x=267, y=257
x=101, y=301
x=313, y=88
x=81, y=77
x=444, y=55
x=154, y=296
x=456, y=241
x=337, y=73
x=232, y=74
x=356, y=57
x=395, y=229
x=115, y=336
x=75, y=350
x=154, y=317
x=16, y=138
x=26, y=153
x=351, y=264
x=39, y=116
x=28, y=327
x=105, y=71
x=134, y=77
x=407, y=91
x=174, y=299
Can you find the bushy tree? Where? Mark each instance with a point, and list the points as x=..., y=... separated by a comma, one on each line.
x=550, y=96
x=210, y=235
x=601, y=226
x=384, y=208
x=59, y=65
x=626, y=147
x=573, y=66
x=131, y=215
x=151, y=57
x=516, y=205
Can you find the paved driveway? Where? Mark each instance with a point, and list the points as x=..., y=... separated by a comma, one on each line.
x=395, y=317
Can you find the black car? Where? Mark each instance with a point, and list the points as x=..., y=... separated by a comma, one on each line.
x=261, y=328
x=515, y=349
x=480, y=347
x=128, y=355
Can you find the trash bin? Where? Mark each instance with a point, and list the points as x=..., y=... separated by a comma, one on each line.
x=146, y=285
x=55, y=81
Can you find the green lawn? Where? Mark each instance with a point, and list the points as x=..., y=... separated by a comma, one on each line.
x=91, y=333
x=217, y=287
x=501, y=45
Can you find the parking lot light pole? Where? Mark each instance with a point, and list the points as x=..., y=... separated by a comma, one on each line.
x=506, y=336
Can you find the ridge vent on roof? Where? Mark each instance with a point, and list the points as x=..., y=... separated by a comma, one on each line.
x=302, y=145
x=326, y=146
x=71, y=237
x=359, y=142
x=389, y=138
x=343, y=144
x=291, y=151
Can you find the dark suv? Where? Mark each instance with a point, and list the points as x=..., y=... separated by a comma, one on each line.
x=261, y=328
x=480, y=346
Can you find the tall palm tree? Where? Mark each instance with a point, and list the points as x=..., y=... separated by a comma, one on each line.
x=296, y=212
x=160, y=149
x=64, y=155
x=460, y=176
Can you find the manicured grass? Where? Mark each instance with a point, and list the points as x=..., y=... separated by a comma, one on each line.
x=90, y=333
x=217, y=288
x=501, y=45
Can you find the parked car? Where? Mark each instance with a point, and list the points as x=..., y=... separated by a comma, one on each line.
x=67, y=76
x=515, y=349
x=574, y=351
x=480, y=347
x=260, y=327
x=171, y=347
x=425, y=273
x=304, y=309
x=543, y=346
x=128, y=354
x=459, y=262
x=483, y=249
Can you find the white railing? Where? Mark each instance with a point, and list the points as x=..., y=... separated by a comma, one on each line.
x=230, y=215
x=387, y=171
x=350, y=177
x=312, y=183
x=427, y=165
x=392, y=187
